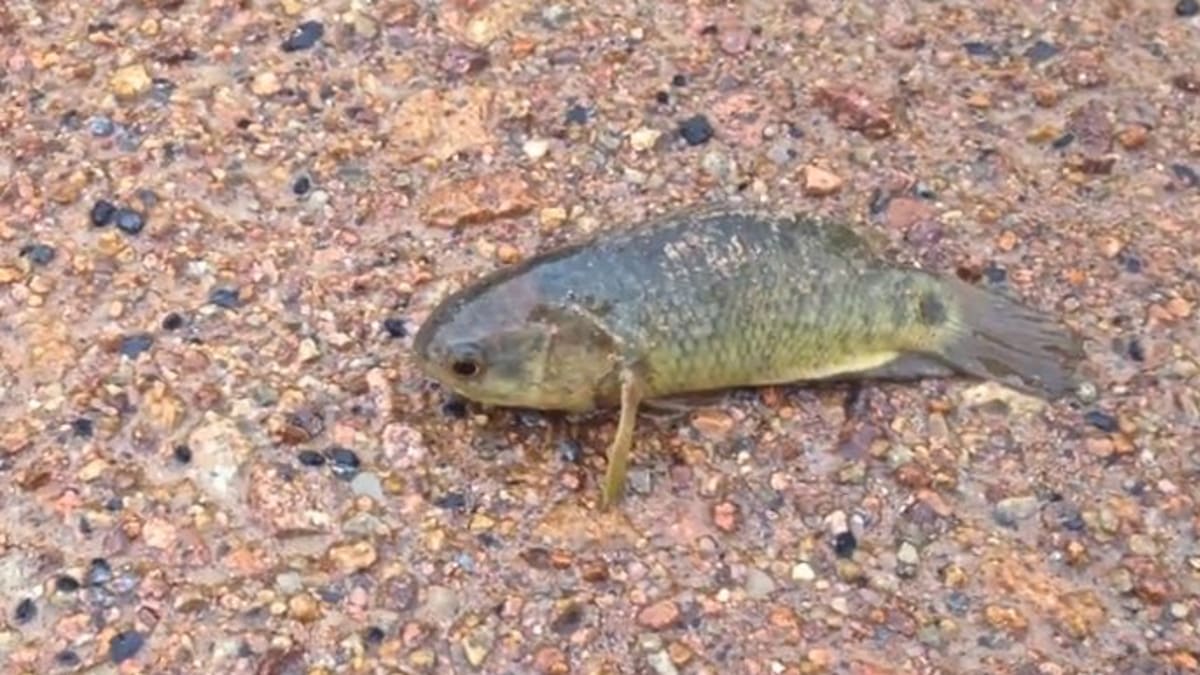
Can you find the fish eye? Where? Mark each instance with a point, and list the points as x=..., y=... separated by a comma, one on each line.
x=466, y=361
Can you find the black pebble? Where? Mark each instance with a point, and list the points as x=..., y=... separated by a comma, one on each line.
x=679, y=80
x=301, y=185
x=570, y=451
x=172, y=321
x=1186, y=174
x=696, y=130
x=38, y=254
x=125, y=645
x=1187, y=8
x=134, y=345
x=129, y=221
x=103, y=212
x=981, y=49
x=1102, y=421
x=82, y=427
x=577, y=114
x=66, y=584
x=394, y=326
x=224, y=297
x=1041, y=51
x=455, y=407
x=147, y=197
x=67, y=658
x=1130, y=262
x=99, y=572
x=25, y=611
x=310, y=458
x=1135, y=350
x=373, y=635
x=844, y=544
x=101, y=127
x=451, y=501
x=662, y=97
x=994, y=275
x=182, y=453
x=304, y=36
x=1063, y=141
x=343, y=461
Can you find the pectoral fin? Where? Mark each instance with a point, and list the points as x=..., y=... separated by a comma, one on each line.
x=618, y=452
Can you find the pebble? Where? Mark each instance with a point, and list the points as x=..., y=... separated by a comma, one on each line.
x=101, y=126
x=551, y=217
x=441, y=605
x=129, y=221
x=1040, y=52
x=25, y=611
x=66, y=584
x=844, y=544
x=478, y=200
x=367, y=484
x=82, y=427
x=726, y=516
x=130, y=81
x=478, y=644
x=38, y=254
x=224, y=297
x=696, y=130
x=265, y=84
x=125, y=645
x=819, y=182
x=1186, y=174
x=1008, y=512
x=1187, y=8
x=102, y=213
x=99, y=572
x=908, y=554
x=1102, y=421
x=759, y=584
x=395, y=327
x=802, y=571
x=659, y=616
x=310, y=458
x=343, y=462
x=644, y=138
x=577, y=114
x=303, y=607
x=135, y=345
x=536, y=148
x=303, y=36
x=660, y=662
x=351, y=558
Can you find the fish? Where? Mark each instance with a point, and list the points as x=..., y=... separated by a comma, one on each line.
x=716, y=298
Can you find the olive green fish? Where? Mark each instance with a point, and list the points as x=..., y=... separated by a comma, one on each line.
x=712, y=299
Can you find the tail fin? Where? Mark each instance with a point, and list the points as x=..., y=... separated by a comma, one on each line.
x=997, y=338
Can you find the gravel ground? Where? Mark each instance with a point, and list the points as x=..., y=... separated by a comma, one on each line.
x=222, y=221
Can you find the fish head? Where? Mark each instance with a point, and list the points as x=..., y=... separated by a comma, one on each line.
x=502, y=344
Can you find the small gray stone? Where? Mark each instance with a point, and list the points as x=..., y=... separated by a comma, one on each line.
x=367, y=484
x=660, y=661
x=908, y=554
x=1009, y=512
x=288, y=583
x=441, y=605
x=759, y=584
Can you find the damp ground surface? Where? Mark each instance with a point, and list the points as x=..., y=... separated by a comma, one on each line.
x=222, y=222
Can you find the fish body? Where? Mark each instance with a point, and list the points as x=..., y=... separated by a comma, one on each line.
x=713, y=299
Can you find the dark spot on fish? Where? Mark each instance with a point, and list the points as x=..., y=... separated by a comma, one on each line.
x=933, y=312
